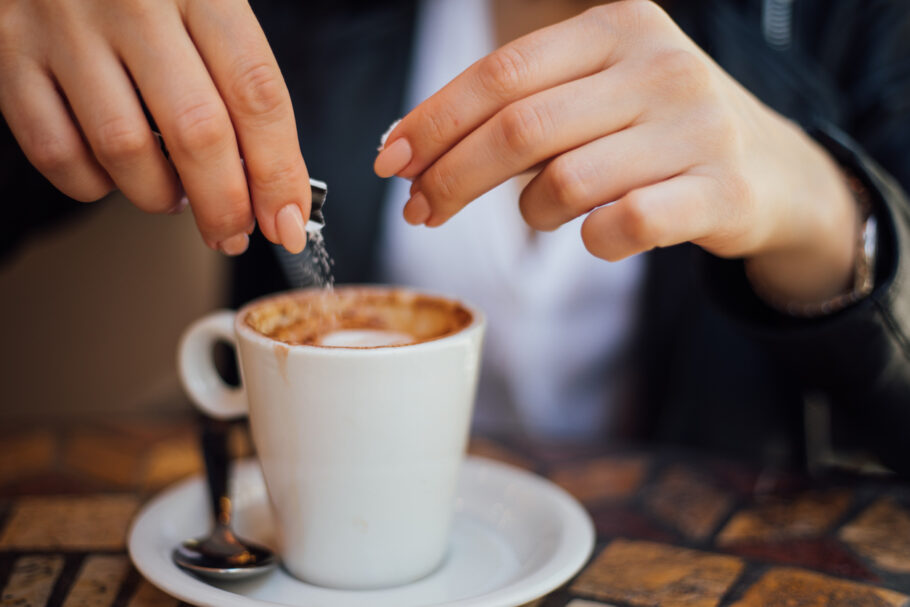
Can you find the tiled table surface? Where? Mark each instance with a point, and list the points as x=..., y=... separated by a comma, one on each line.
x=674, y=529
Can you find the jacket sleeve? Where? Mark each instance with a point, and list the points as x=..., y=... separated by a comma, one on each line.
x=860, y=356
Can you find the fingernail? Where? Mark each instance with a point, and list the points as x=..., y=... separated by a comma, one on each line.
x=291, y=230
x=235, y=245
x=181, y=205
x=417, y=210
x=393, y=158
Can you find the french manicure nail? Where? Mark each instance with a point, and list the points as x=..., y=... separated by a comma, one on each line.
x=393, y=158
x=417, y=210
x=290, y=227
x=180, y=207
x=235, y=245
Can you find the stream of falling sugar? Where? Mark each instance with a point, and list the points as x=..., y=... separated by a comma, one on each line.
x=317, y=266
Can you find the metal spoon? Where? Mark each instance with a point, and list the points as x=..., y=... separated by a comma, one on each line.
x=221, y=555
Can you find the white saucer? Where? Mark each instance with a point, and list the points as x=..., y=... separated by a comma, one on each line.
x=515, y=537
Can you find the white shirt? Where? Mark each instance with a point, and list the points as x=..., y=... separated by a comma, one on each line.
x=558, y=319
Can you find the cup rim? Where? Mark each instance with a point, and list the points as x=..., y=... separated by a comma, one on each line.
x=242, y=329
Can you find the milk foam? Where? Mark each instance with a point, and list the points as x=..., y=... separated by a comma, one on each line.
x=365, y=338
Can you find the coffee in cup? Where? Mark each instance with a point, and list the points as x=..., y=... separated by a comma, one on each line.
x=357, y=318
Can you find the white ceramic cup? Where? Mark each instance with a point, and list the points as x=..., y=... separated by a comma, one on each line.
x=360, y=447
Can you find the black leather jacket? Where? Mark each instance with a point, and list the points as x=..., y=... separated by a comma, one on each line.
x=715, y=368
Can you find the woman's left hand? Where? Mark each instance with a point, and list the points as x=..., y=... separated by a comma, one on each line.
x=618, y=104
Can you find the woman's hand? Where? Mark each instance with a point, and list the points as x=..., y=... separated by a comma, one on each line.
x=618, y=104
x=71, y=77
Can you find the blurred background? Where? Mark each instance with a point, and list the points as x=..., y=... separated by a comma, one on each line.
x=88, y=332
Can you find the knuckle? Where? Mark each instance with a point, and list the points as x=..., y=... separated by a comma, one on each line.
x=739, y=190
x=118, y=140
x=438, y=127
x=50, y=153
x=258, y=89
x=627, y=16
x=201, y=126
x=720, y=129
x=440, y=184
x=138, y=10
x=504, y=72
x=523, y=126
x=228, y=222
x=567, y=183
x=677, y=67
x=739, y=200
x=280, y=175
x=644, y=11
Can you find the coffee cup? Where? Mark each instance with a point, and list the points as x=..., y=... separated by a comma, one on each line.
x=359, y=402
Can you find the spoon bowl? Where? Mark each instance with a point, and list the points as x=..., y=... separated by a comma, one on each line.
x=221, y=555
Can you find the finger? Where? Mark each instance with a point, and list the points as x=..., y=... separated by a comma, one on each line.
x=525, y=133
x=41, y=123
x=678, y=210
x=546, y=58
x=180, y=94
x=105, y=104
x=241, y=62
x=601, y=171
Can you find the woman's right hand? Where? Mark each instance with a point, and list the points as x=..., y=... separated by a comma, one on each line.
x=71, y=77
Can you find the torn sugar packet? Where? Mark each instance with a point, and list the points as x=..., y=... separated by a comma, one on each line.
x=385, y=135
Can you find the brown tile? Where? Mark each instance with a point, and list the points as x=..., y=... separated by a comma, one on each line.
x=737, y=476
x=747, y=480
x=807, y=589
x=806, y=515
x=149, y=596
x=31, y=581
x=621, y=521
x=882, y=535
x=647, y=574
x=98, y=581
x=69, y=523
x=170, y=461
x=826, y=555
x=602, y=478
x=22, y=456
x=110, y=457
x=489, y=449
x=688, y=503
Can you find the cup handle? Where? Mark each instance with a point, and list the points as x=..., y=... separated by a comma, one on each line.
x=197, y=370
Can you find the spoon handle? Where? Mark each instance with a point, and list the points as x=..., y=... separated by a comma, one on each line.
x=214, y=435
